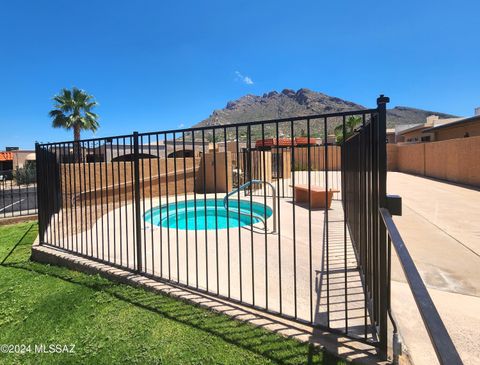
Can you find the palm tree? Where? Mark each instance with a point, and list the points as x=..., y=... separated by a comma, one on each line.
x=73, y=110
x=350, y=124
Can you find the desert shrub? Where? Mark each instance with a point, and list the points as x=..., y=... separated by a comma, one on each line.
x=26, y=174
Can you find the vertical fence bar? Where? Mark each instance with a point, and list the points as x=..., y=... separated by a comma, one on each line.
x=195, y=207
x=138, y=226
x=151, y=204
x=250, y=177
x=165, y=140
x=327, y=243
x=382, y=191
x=293, y=171
x=142, y=179
x=264, y=187
x=237, y=147
x=309, y=182
x=227, y=208
x=174, y=139
x=119, y=176
x=40, y=195
x=279, y=154
x=216, y=208
x=204, y=175
x=344, y=137
x=159, y=205
x=185, y=207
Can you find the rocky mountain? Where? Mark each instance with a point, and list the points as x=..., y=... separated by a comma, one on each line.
x=289, y=103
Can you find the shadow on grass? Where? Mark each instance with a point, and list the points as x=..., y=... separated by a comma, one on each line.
x=241, y=334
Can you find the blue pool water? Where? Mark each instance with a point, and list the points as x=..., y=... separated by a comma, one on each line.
x=182, y=215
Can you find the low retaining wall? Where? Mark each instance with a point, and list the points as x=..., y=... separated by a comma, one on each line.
x=455, y=160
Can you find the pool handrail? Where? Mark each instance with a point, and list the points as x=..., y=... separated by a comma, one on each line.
x=243, y=187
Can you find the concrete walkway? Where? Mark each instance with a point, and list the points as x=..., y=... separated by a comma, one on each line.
x=441, y=228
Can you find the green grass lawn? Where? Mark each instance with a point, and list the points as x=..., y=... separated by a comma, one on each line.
x=112, y=323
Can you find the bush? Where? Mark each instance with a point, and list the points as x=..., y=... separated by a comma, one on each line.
x=26, y=174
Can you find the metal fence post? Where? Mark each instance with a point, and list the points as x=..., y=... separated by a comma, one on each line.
x=382, y=201
x=40, y=207
x=138, y=222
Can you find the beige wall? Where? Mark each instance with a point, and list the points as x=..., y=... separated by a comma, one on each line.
x=317, y=158
x=215, y=173
x=411, y=158
x=114, y=179
x=20, y=157
x=455, y=160
x=392, y=158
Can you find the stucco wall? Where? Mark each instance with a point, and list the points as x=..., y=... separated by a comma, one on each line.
x=392, y=157
x=411, y=158
x=456, y=160
x=95, y=181
x=317, y=158
x=215, y=178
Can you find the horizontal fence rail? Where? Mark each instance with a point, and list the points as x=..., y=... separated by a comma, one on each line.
x=18, y=192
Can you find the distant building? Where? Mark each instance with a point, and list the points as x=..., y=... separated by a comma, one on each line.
x=13, y=158
x=391, y=135
x=462, y=128
x=414, y=134
x=436, y=129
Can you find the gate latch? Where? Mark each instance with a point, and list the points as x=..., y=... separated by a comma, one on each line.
x=394, y=204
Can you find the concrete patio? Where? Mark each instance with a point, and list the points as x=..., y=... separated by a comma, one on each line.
x=265, y=270
x=440, y=226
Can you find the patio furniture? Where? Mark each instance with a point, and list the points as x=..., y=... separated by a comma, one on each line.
x=318, y=195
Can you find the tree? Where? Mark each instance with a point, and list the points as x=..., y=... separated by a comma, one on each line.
x=73, y=110
x=350, y=124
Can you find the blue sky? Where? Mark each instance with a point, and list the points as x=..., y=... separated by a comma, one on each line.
x=154, y=65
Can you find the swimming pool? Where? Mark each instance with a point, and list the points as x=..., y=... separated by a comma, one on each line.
x=203, y=215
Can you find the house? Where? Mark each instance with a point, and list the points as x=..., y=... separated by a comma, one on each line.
x=436, y=129
x=13, y=158
x=413, y=133
x=459, y=128
x=391, y=135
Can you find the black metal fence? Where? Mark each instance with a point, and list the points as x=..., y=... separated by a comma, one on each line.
x=18, y=193
x=364, y=191
x=274, y=214
x=373, y=233
x=156, y=203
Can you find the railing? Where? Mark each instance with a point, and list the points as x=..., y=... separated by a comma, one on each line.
x=18, y=193
x=240, y=212
x=442, y=343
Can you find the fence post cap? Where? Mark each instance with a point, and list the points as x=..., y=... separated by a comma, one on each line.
x=382, y=99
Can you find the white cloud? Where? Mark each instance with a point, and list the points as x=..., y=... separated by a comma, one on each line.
x=181, y=125
x=245, y=79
